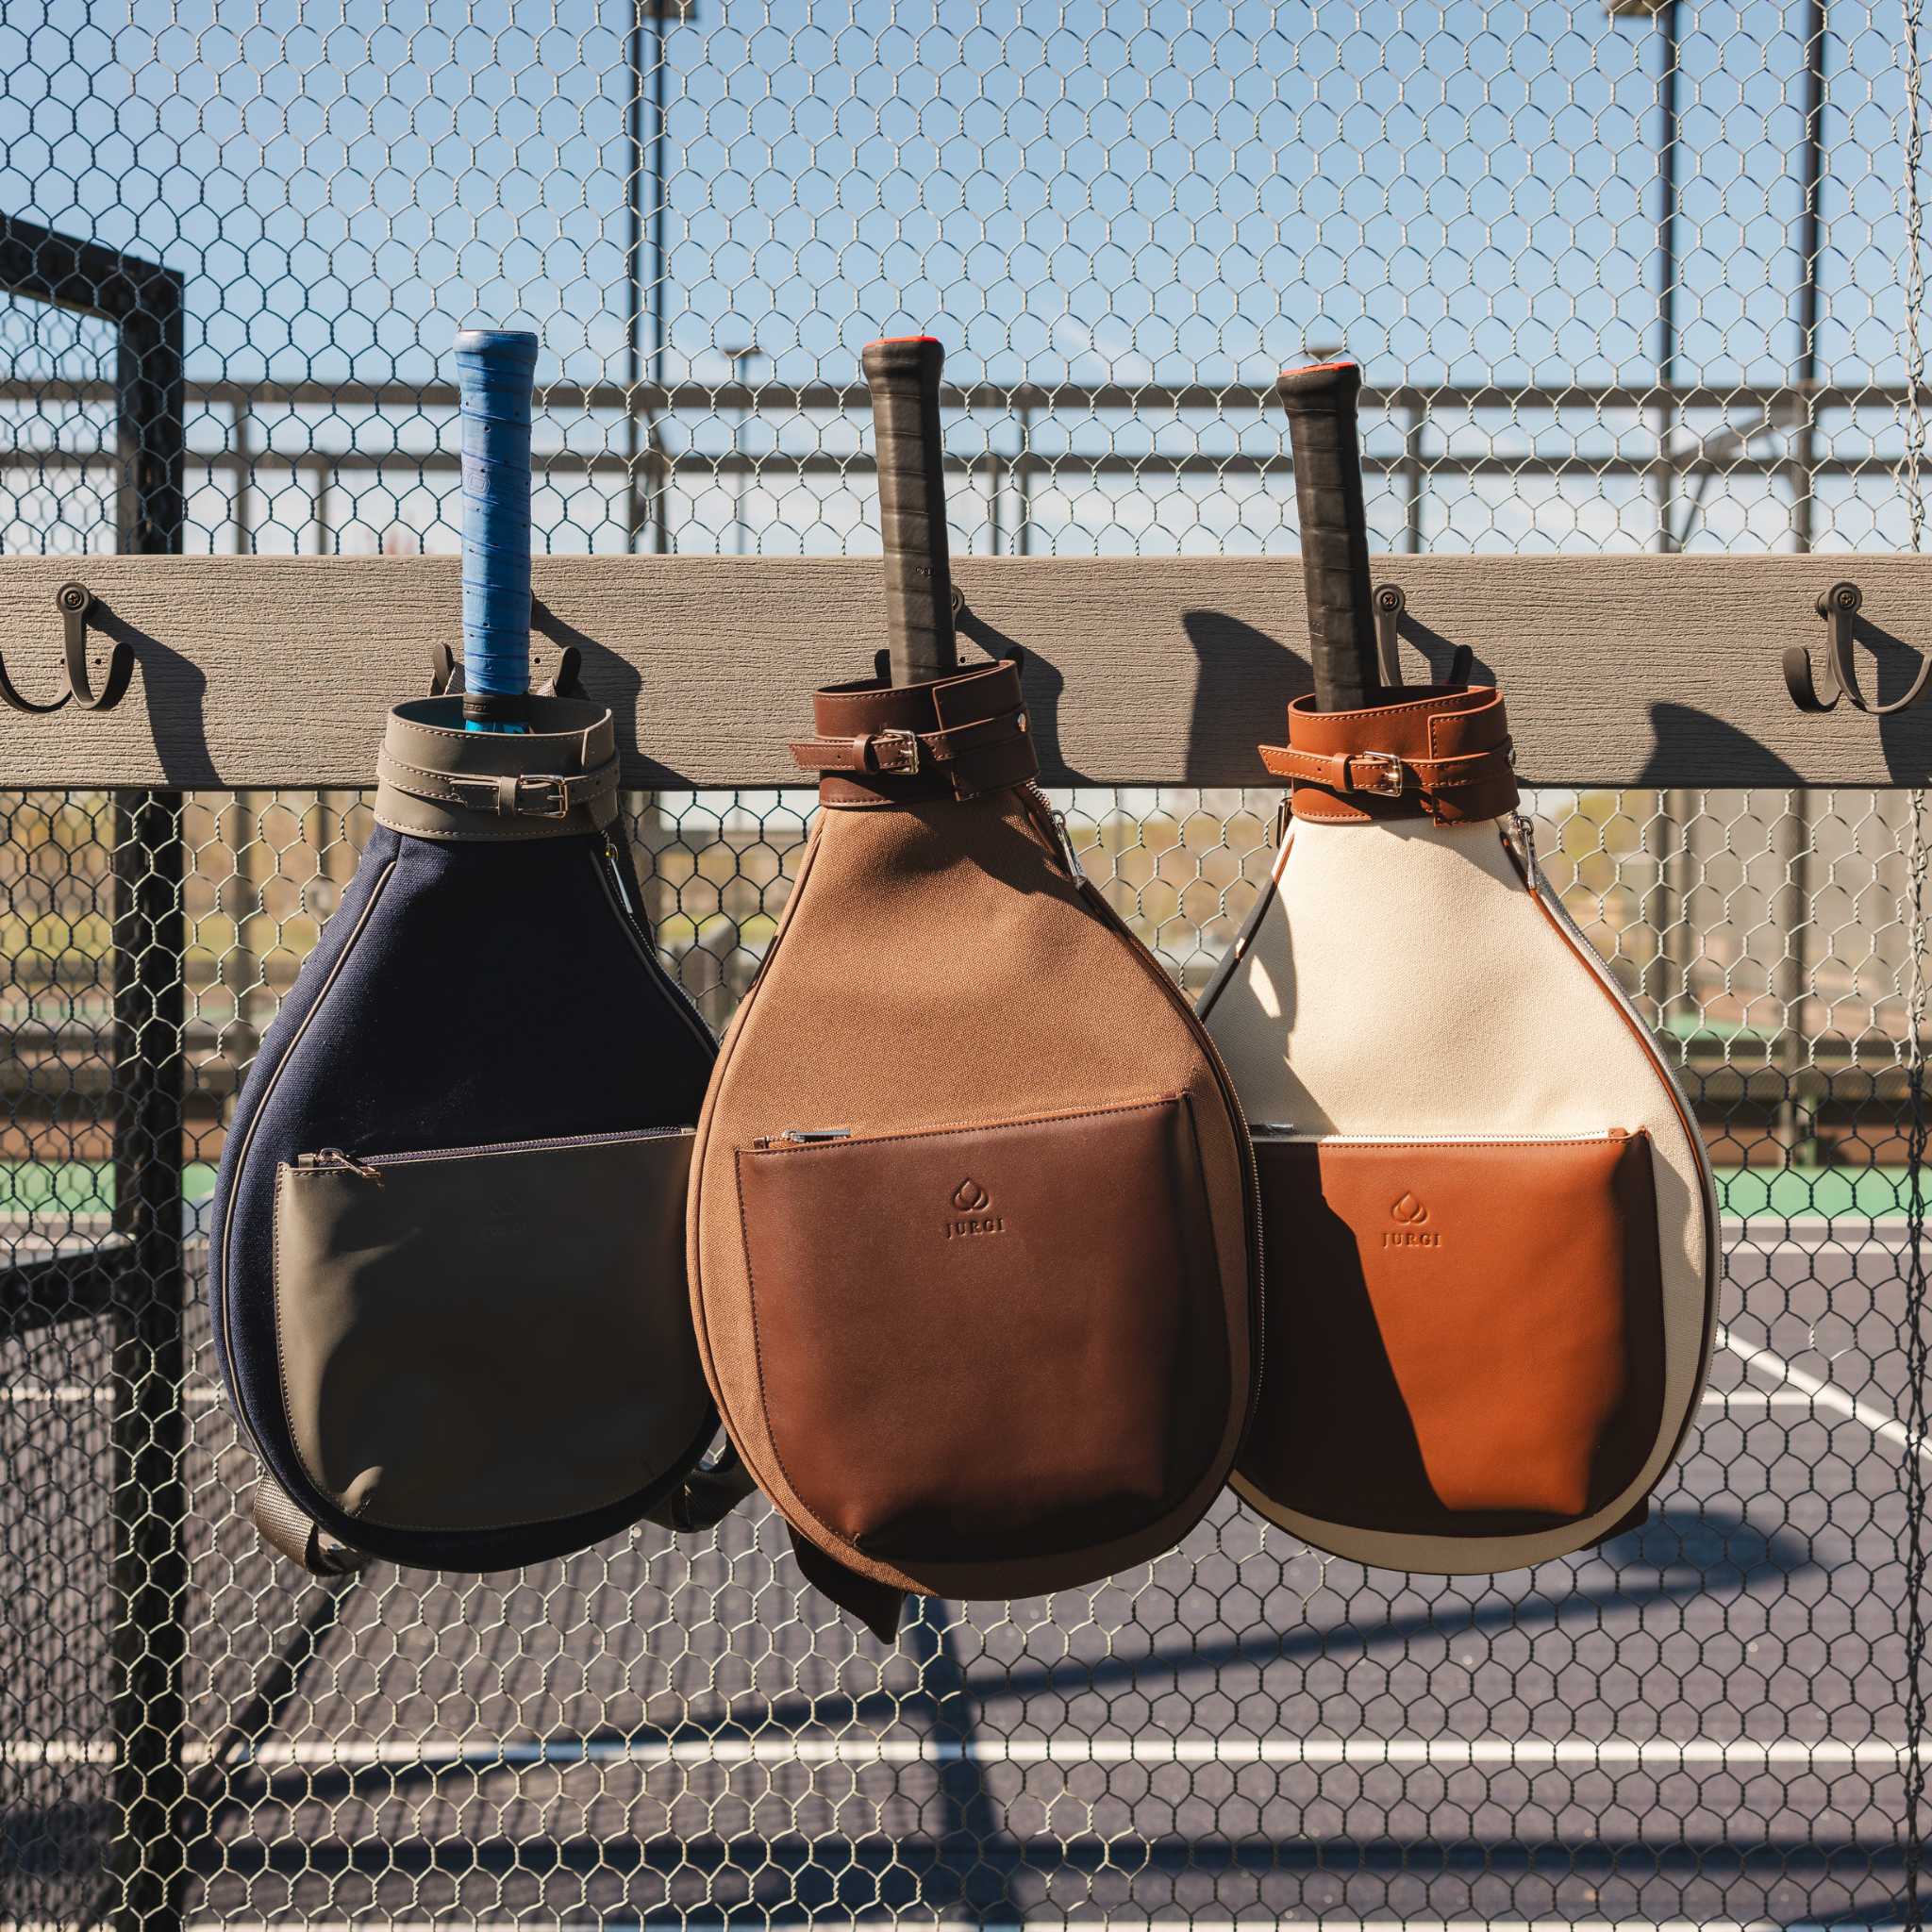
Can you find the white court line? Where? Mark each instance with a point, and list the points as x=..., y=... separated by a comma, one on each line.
x=1329, y=1922
x=1887, y=1428
x=79, y=1395
x=1450, y=1753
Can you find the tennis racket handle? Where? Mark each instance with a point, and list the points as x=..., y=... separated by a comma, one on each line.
x=493, y=371
x=1323, y=437
x=903, y=373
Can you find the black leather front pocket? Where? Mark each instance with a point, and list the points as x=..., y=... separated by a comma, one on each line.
x=990, y=1341
x=488, y=1338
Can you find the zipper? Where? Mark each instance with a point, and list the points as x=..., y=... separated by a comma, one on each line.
x=368, y=1167
x=802, y=1137
x=1277, y=1132
x=1055, y=822
x=376, y=892
x=611, y=876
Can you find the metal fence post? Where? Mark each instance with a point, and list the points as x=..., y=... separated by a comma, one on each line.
x=150, y=1435
x=146, y=1859
x=150, y=1427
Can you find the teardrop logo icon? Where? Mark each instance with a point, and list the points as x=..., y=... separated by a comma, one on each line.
x=969, y=1197
x=1409, y=1210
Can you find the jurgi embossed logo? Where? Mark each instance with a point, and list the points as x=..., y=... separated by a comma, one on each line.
x=972, y=1201
x=1413, y=1232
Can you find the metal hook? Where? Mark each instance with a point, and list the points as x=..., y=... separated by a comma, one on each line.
x=566, y=681
x=73, y=601
x=1388, y=603
x=1840, y=607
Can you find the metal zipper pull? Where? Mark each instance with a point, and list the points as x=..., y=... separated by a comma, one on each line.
x=1522, y=834
x=617, y=879
x=803, y=1137
x=334, y=1156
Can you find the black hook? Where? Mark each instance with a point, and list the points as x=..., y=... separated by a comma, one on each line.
x=73, y=601
x=445, y=667
x=1389, y=602
x=1840, y=607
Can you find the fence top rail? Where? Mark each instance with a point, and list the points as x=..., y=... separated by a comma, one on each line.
x=1636, y=670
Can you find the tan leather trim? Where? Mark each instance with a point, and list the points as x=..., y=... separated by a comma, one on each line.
x=892, y=744
x=1442, y=756
x=1466, y=1333
x=436, y=780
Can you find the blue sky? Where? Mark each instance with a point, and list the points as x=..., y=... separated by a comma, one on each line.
x=1071, y=194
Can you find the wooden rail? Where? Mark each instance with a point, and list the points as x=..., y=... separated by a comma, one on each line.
x=1634, y=670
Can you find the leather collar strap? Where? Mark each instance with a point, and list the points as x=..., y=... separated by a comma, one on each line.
x=898, y=745
x=438, y=781
x=1436, y=752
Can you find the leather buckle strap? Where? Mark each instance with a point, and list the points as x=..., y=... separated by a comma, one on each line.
x=901, y=753
x=514, y=795
x=1444, y=788
x=894, y=754
x=525, y=795
x=1382, y=775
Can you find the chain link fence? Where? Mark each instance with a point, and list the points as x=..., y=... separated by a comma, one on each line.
x=1638, y=282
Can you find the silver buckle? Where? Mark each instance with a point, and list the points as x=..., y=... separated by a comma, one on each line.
x=1383, y=778
x=563, y=804
x=904, y=745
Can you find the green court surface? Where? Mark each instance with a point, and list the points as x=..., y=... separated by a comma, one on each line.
x=79, y=1187
x=1746, y=1193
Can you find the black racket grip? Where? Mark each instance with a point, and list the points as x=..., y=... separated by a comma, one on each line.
x=1322, y=434
x=903, y=373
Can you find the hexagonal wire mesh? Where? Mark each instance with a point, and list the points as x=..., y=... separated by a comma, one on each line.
x=1616, y=284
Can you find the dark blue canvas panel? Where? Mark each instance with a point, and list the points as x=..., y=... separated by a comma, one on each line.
x=463, y=993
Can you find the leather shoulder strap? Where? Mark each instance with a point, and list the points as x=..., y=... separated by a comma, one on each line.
x=285, y=1528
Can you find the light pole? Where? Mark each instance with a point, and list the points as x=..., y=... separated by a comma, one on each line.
x=646, y=297
x=1811, y=250
x=1665, y=15
x=742, y=360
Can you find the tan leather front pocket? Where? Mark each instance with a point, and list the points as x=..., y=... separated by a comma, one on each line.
x=991, y=1341
x=1463, y=1335
x=488, y=1338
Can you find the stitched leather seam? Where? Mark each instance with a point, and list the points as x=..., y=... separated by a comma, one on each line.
x=495, y=835
x=1603, y=1140
x=1029, y=1120
x=529, y=737
x=1438, y=706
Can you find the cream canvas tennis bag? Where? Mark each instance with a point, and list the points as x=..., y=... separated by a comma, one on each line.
x=1490, y=1225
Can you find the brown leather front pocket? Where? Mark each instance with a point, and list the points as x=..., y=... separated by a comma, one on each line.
x=1463, y=1336
x=488, y=1338
x=991, y=1341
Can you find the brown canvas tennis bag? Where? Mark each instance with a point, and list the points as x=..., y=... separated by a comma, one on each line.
x=971, y=1229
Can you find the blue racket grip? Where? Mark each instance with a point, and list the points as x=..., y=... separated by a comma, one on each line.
x=493, y=371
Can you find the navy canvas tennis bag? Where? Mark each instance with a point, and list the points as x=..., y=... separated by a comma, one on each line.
x=447, y=1258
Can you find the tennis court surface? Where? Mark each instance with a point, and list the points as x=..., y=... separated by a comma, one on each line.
x=1698, y=1724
